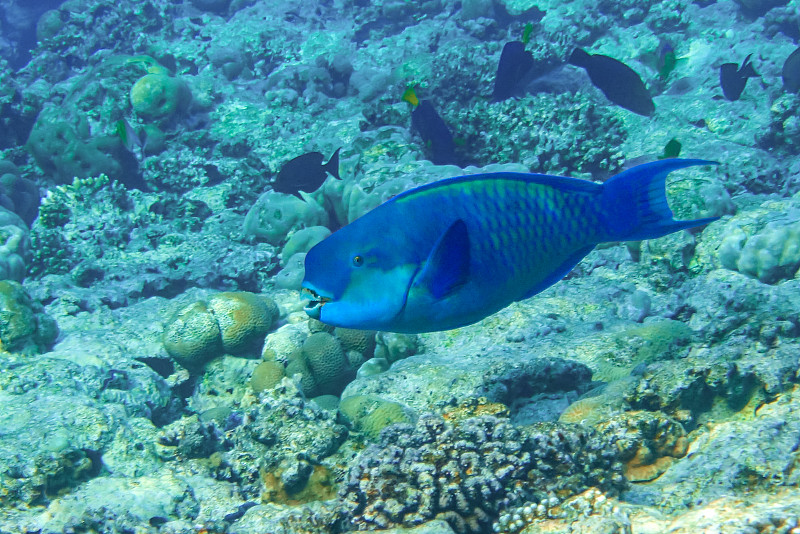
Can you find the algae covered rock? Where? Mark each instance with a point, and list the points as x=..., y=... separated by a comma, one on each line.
x=24, y=327
x=65, y=149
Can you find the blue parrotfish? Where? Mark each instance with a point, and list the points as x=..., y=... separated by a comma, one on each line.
x=452, y=252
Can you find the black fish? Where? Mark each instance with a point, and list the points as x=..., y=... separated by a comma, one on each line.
x=619, y=82
x=515, y=68
x=435, y=133
x=305, y=173
x=733, y=79
x=791, y=72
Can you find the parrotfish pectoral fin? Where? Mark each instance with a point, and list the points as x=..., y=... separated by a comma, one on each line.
x=635, y=202
x=447, y=266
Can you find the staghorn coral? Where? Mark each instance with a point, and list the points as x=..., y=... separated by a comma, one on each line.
x=467, y=471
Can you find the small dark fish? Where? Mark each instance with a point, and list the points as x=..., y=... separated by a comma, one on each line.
x=671, y=150
x=306, y=173
x=791, y=72
x=733, y=79
x=434, y=133
x=666, y=61
x=513, y=70
x=619, y=82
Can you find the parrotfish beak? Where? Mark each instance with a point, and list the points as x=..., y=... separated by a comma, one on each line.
x=315, y=304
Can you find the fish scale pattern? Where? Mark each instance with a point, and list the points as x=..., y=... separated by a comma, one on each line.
x=520, y=223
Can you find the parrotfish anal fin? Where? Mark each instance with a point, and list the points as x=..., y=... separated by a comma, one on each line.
x=560, y=272
x=447, y=266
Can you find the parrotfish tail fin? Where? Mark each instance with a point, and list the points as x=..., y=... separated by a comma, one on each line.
x=333, y=164
x=635, y=202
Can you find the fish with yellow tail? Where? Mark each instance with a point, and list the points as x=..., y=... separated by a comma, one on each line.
x=450, y=253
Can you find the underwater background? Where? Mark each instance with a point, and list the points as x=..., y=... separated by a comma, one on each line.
x=158, y=373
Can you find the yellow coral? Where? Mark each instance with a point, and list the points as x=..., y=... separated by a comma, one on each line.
x=244, y=319
x=266, y=375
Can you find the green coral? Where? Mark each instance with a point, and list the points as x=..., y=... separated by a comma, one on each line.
x=24, y=327
x=159, y=96
x=371, y=414
x=266, y=376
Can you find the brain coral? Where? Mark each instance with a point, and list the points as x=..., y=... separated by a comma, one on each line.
x=244, y=319
x=192, y=336
x=266, y=375
x=234, y=322
x=466, y=472
x=327, y=361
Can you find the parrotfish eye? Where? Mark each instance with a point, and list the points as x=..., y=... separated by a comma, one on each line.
x=358, y=260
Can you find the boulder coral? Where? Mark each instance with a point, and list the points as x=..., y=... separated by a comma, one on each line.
x=15, y=246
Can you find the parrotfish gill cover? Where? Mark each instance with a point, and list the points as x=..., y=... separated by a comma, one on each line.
x=453, y=252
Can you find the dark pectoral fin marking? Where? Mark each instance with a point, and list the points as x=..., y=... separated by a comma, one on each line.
x=447, y=266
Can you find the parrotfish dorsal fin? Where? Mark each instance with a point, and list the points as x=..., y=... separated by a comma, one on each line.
x=447, y=266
